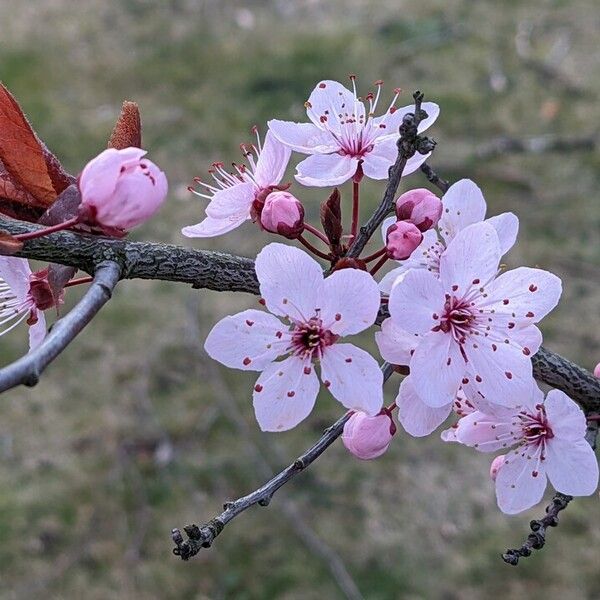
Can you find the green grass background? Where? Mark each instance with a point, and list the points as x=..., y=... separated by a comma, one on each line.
x=133, y=431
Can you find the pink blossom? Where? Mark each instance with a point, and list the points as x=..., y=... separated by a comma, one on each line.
x=597, y=370
x=419, y=206
x=344, y=134
x=283, y=214
x=472, y=326
x=548, y=437
x=24, y=295
x=402, y=238
x=462, y=205
x=120, y=189
x=368, y=437
x=239, y=196
x=316, y=313
x=495, y=466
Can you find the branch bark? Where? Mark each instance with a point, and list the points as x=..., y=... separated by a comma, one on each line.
x=27, y=370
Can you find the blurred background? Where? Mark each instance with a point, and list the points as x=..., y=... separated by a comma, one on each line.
x=134, y=431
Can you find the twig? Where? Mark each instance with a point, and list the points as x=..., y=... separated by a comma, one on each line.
x=27, y=370
x=434, y=178
x=408, y=144
x=203, y=536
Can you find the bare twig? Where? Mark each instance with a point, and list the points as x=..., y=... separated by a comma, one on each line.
x=27, y=370
x=408, y=145
x=203, y=536
x=434, y=178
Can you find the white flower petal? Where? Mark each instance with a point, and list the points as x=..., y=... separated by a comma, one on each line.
x=231, y=201
x=290, y=280
x=272, y=161
x=566, y=418
x=303, y=137
x=507, y=228
x=37, y=331
x=285, y=394
x=464, y=205
x=330, y=99
x=15, y=272
x=353, y=377
x=396, y=345
x=323, y=170
x=213, y=227
x=572, y=467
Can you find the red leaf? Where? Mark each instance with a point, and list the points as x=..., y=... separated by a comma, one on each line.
x=128, y=129
x=9, y=244
x=15, y=202
x=21, y=152
x=61, y=180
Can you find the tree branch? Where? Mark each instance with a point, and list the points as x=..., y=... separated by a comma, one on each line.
x=27, y=370
x=204, y=535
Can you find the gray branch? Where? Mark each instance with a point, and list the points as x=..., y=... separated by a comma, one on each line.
x=27, y=370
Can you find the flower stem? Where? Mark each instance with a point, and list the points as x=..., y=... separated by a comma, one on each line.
x=315, y=231
x=380, y=264
x=23, y=237
x=310, y=247
x=79, y=281
x=355, y=207
x=375, y=255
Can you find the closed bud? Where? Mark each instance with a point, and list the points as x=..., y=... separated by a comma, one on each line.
x=401, y=240
x=597, y=370
x=368, y=437
x=496, y=465
x=120, y=190
x=421, y=207
x=283, y=213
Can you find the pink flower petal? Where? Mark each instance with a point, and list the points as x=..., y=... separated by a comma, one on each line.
x=213, y=227
x=330, y=99
x=437, y=369
x=417, y=301
x=488, y=433
x=507, y=228
x=532, y=294
x=396, y=345
x=15, y=272
x=231, y=201
x=572, y=467
x=350, y=301
x=566, y=419
x=303, y=137
x=464, y=205
x=272, y=161
x=353, y=377
x=516, y=487
x=471, y=259
x=291, y=282
x=322, y=170
x=37, y=331
x=418, y=418
x=249, y=340
x=285, y=394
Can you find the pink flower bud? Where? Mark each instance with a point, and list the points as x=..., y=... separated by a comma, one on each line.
x=120, y=190
x=597, y=370
x=402, y=239
x=368, y=437
x=283, y=213
x=495, y=466
x=420, y=207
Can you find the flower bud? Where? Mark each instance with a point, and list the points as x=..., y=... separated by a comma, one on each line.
x=597, y=370
x=495, y=466
x=120, y=190
x=368, y=437
x=420, y=207
x=401, y=239
x=283, y=213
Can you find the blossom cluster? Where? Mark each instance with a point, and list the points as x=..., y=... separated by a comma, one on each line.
x=451, y=315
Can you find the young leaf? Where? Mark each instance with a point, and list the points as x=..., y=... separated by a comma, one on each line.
x=21, y=152
x=128, y=129
x=331, y=219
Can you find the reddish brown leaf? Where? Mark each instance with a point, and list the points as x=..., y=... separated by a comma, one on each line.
x=9, y=244
x=128, y=129
x=65, y=207
x=331, y=219
x=61, y=180
x=16, y=202
x=21, y=152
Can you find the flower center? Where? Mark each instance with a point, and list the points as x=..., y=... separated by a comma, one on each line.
x=457, y=319
x=309, y=339
x=535, y=426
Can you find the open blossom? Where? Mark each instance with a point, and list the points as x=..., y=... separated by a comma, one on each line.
x=548, y=437
x=120, y=189
x=239, y=196
x=368, y=437
x=317, y=312
x=472, y=327
x=462, y=205
x=344, y=134
x=24, y=295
